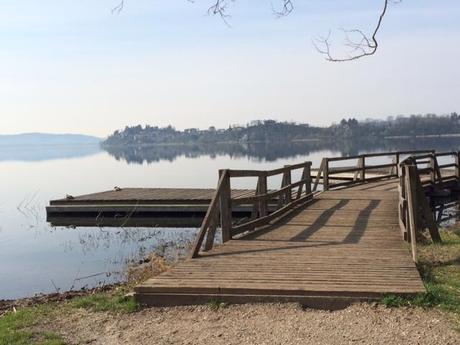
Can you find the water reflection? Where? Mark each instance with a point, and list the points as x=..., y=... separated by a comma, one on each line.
x=272, y=151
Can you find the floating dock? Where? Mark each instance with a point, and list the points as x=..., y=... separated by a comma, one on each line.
x=147, y=207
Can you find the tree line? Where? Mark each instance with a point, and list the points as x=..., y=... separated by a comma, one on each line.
x=275, y=131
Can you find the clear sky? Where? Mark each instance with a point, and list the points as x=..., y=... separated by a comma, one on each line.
x=73, y=66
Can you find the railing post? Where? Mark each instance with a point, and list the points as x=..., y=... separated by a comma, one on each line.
x=412, y=205
x=457, y=165
x=288, y=181
x=308, y=177
x=262, y=188
x=402, y=209
x=362, y=165
x=208, y=244
x=225, y=203
x=318, y=175
x=326, y=174
x=395, y=170
x=432, y=169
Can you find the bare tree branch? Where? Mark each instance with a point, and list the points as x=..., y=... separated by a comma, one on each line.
x=286, y=8
x=220, y=8
x=117, y=9
x=359, y=43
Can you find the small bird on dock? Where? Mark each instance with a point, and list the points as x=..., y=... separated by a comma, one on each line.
x=69, y=197
x=117, y=189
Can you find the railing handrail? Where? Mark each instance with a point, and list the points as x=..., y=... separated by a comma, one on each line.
x=269, y=195
x=222, y=202
x=267, y=173
x=333, y=173
x=378, y=154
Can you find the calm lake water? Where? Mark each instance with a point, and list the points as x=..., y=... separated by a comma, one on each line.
x=38, y=258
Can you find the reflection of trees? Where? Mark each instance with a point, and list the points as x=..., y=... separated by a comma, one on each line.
x=271, y=151
x=258, y=151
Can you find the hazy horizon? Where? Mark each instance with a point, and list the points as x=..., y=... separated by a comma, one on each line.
x=67, y=133
x=75, y=67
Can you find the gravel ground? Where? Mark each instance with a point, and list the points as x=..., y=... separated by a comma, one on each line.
x=260, y=324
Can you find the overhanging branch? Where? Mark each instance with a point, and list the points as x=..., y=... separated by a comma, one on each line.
x=359, y=43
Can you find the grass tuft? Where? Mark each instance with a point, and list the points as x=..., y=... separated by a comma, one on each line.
x=216, y=305
x=439, y=266
x=394, y=301
x=17, y=328
x=113, y=302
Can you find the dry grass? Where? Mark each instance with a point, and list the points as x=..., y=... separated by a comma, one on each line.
x=151, y=267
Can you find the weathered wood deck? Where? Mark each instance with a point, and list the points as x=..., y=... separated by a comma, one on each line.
x=147, y=207
x=344, y=245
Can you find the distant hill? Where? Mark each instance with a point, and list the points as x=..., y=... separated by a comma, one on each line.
x=47, y=139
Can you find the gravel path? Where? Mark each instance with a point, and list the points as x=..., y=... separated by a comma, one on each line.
x=261, y=324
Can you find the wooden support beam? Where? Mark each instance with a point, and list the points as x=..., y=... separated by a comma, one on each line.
x=225, y=206
x=432, y=169
x=362, y=163
x=262, y=190
x=427, y=214
x=402, y=209
x=288, y=181
x=318, y=175
x=326, y=174
x=411, y=191
x=307, y=174
x=281, y=197
x=209, y=218
x=457, y=165
x=211, y=232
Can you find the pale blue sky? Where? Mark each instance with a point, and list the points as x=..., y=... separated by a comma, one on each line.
x=72, y=66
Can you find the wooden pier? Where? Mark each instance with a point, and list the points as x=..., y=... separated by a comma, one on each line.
x=152, y=207
x=323, y=249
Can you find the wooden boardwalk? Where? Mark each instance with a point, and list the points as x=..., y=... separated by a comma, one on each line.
x=343, y=245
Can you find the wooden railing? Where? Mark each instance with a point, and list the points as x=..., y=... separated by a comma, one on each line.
x=431, y=171
x=414, y=210
x=327, y=174
x=419, y=175
x=419, y=172
x=266, y=204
